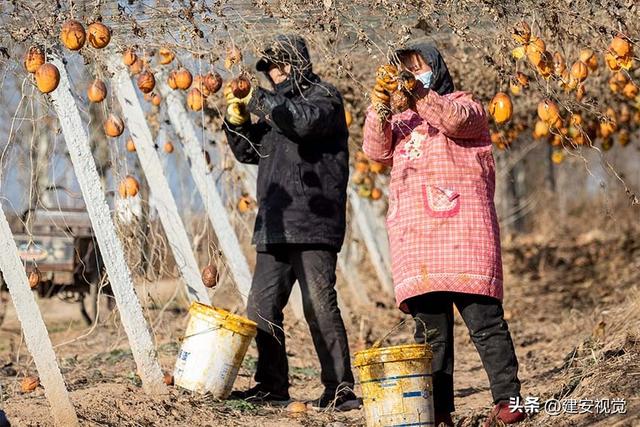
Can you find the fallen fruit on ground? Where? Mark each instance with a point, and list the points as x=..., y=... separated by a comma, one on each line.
x=297, y=407
x=29, y=384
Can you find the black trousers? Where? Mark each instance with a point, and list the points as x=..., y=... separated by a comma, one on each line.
x=315, y=269
x=489, y=332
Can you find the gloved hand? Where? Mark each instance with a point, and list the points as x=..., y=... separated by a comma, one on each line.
x=386, y=84
x=237, y=113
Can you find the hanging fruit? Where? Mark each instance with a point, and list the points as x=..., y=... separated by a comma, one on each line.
x=362, y=166
x=137, y=66
x=166, y=56
x=233, y=57
x=541, y=129
x=557, y=156
x=35, y=277
x=376, y=167
x=47, y=77
x=348, y=117
x=34, y=59
x=97, y=91
x=171, y=80
x=519, y=52
x=168, y=147
x=580, y=92
x=129, y=57
x=588, y=57
x=146, y=82
x=549, y=112
x=29, y=384
x=535, y=50
x=559, y=65
x=240, y=87
x=630, y=90
x=131, y=146
x=622, y=51
x=245, y=204
x=213, y=82
x=128, y=187
x=501, y=108
x=376, y=194
x=195, y=100
x=198, y=83
x=521, y=32
x=113, y=126
x=624, y=137
x=156, y=100
x=99, y=35
x=210, y=276
x=73, y=35
x=579, y=71
x=183, y=78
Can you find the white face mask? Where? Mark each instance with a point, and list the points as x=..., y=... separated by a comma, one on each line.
x=425, y=79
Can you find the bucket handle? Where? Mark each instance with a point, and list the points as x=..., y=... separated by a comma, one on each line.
x=213, y=328
x=428, y=333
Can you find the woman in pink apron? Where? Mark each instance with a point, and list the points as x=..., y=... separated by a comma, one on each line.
x=442, y=225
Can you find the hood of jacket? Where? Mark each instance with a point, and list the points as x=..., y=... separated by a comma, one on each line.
x=289, y=49
x=442, y=82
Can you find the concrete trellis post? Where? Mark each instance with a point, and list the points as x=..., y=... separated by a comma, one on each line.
x=84, y=166
x=206, y=185
x=35, y=331
x=150, y=162
x=374, y=239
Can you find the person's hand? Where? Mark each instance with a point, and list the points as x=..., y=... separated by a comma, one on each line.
x=386, y=84
x=237, y=113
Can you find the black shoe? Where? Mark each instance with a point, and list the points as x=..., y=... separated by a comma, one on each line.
x=259, y=393
x=341, y=401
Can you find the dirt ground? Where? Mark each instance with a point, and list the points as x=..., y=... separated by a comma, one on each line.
x=572, y=306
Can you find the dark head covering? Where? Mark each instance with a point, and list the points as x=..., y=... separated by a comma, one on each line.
x=441, y=81
x=288, y=49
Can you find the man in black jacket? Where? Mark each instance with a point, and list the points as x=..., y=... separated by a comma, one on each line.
x=299, y=143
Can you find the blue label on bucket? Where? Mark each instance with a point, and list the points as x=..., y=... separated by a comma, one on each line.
x=424, y=394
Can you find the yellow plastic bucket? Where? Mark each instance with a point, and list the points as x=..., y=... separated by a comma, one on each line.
x=396, y=385
x=212, y=350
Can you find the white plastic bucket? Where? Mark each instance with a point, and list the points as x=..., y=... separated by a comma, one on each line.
x=396, y=385
x=212, y=351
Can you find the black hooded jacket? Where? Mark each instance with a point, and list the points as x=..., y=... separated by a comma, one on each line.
x=300, y=146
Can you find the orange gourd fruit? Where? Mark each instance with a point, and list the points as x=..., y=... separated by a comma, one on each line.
x=47, y=77
x=97, y=91
x=501, y=108
x=34, y=59
x=99, y=35
x=73, y=35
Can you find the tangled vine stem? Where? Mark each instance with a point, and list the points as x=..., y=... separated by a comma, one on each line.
x=349, y=40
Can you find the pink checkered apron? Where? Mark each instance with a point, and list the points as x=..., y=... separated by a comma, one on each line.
x=442, y=223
